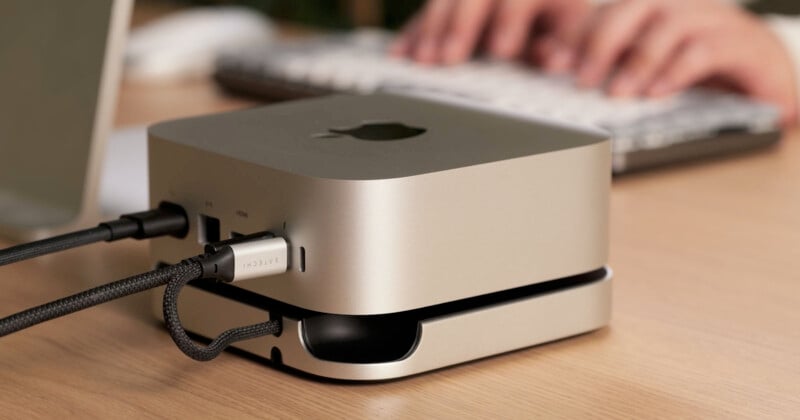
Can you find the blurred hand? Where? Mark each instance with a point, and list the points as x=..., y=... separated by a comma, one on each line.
x=659, y=47
x=449, y=31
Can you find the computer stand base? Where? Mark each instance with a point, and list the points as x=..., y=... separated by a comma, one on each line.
x=380, y=347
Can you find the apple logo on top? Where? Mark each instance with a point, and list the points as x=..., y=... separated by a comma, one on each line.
x=375, y=131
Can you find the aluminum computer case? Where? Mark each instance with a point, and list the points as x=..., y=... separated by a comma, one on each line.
x=422, y=235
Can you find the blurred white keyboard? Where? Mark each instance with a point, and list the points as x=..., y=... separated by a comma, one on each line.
x=645, y=133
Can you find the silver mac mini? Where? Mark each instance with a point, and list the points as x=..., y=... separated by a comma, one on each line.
x=422, y=234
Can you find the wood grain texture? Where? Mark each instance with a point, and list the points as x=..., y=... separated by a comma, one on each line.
x=706, y=319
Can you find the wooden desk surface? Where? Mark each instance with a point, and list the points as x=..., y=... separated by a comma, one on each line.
x=706, y=319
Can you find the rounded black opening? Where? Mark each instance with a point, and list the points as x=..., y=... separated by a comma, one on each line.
x=360, y=339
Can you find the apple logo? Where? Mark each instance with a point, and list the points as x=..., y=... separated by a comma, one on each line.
x=375, y=131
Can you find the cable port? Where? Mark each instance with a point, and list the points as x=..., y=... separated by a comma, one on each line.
x=208, y=229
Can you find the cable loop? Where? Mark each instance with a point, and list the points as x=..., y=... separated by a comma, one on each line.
x=185, y=343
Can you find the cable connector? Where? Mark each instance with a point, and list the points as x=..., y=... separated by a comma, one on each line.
x=247, y=257
x=167, y=219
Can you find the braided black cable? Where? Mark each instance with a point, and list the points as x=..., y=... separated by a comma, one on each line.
x=57, y=243
x=185, y=343
x=98, y=295
x=166, y=219
x=174, y=277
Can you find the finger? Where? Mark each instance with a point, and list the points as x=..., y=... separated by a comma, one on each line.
x=434, y=21
x=511, y=27
x=614, y=31
x=692, y=64
x=567, y=20
x=556, y=50
x=789, y=115
x=402, y=45
x=466, y=25
x=552, y=55
x=717, y=60
x=657, y=46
